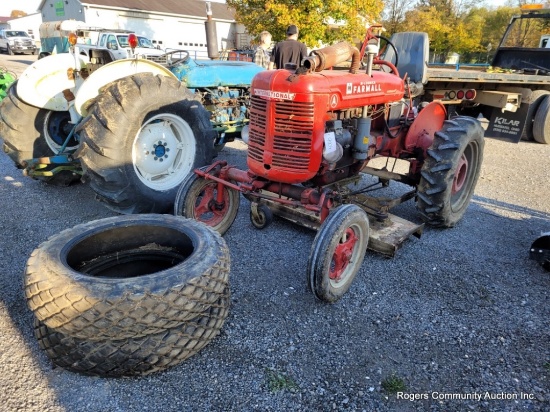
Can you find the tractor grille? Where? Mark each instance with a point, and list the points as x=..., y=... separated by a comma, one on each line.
x=292, y=131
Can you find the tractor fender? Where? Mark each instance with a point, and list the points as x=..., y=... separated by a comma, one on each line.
x=42, y=83
x=429, y=120
x=111, y=72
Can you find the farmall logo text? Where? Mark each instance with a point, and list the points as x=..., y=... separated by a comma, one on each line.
x=274, y=95
x=363, y=87
x=505, y=122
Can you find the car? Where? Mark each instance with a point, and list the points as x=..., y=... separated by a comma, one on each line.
x=17, y=41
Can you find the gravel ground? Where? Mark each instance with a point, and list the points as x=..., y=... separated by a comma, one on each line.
x=458, y=314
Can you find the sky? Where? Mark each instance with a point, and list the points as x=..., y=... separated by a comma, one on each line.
x=28, y=6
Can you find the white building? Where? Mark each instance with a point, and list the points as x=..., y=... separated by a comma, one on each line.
x=29, y=23
x=176, y=24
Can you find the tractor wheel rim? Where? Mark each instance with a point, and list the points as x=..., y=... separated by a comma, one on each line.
x=163, y=152
x=341, y=266
x=56, y=129
x=207, y=209
x=460, y=175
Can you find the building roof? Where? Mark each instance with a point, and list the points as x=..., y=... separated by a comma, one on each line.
x=220, y=11
x=4, y=20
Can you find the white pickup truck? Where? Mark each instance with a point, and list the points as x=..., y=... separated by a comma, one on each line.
x=54, y=39
x=17, y=41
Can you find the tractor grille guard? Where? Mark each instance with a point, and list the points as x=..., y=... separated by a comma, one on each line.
x=291, y=143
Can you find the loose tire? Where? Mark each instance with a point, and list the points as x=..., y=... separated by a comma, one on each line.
x=541, y=123
x=450, y=172
x=144, y=134
x=126, y=276
x=337, y=252
x=534, y=101
x=197, y=199
x=134, y=356
x=29, y=132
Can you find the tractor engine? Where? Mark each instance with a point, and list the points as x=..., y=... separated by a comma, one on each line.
x=316, y=125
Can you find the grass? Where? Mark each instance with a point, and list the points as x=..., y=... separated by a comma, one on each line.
x=278, y=381
x=393, y=384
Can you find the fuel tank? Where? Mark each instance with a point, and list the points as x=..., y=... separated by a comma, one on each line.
x=288, y=112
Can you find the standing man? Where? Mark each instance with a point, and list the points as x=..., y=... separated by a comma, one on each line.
x=289, y=50
x=261, y=55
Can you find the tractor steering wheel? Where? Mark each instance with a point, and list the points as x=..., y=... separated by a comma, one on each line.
x=381, y=52
x=183, y=56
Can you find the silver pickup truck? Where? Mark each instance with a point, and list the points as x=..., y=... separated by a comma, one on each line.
x=17, y=41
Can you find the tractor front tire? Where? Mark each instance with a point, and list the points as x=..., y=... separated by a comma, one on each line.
x=126, y=276
x=337, y=252
x=29, y=132
x=134, y=356
x=143, y=135
x=450, y=172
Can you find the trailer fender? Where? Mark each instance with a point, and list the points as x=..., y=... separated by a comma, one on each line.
x=43, y=82
x=111, y=72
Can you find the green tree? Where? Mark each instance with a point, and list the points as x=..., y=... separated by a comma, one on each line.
x=319, y=21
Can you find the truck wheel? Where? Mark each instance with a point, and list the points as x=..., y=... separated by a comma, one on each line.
x=196, y=199
x=133, y=356
x=30, y=132
x=534, y=102
x=142, y=137
x=337, y=252
x=541, y=123
x=9, y=50
x=126, y=276
x=450, y=172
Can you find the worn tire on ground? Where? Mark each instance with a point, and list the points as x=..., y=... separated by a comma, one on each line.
x=134, y=355
x=26, y=132
x=450, y=172
x=141, y=138
x=126, y=276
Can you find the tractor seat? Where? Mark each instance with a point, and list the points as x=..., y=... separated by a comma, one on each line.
x=413, y=51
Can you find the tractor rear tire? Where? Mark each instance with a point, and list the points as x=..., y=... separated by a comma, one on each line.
x=534, y=102
x=143, y=135
x=450, y=172
x=196, y=199
x=134, y=356
x=541, y=123
x=126, y=276
x=29, y=132
x=337, y=252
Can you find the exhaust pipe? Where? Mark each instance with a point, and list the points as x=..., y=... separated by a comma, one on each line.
x=211, y=35
x=332, y=55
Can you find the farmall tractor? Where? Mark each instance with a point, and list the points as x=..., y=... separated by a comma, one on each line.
x=313, y=135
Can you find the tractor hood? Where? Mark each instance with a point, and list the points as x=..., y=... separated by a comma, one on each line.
x=208, y=73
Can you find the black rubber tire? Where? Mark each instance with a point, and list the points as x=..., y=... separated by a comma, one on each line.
x=126, y=276
x=191, y=195
x=323, y=250
x=541, y=123
x=264, y=217
x=9, y=50
x=22, y=127
x=108, y=133
x=459, y=139
x=533, y=102
x=134, y=356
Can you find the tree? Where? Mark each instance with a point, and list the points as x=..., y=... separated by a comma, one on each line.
x=394, y=15
x=319, y=21
x=17, y=13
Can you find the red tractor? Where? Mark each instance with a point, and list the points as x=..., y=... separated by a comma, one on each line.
x=313, y=134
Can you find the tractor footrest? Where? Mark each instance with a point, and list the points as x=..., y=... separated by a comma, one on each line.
x=386, y=236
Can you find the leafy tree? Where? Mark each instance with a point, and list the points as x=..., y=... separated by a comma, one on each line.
x=319, y=21
x=17, y=13
x=394, y=15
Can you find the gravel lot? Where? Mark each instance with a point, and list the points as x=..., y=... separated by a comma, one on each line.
x=458, y=313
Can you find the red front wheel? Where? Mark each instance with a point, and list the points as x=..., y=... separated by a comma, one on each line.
x=337, y=252
x=208, y=202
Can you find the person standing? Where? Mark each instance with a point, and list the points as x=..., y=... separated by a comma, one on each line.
x=289, y=50
x=261, y=55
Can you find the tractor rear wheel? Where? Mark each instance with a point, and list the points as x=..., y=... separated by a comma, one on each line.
x=337, y=252
x=142, y=137
x=126, y=276
x=541, y=123
x=450, y=172
x=197, y=199
x=30, y=132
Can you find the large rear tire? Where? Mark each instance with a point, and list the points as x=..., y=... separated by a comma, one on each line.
x=450, y=172
x=29, y=132
x=144, y=134
x=126, y=276
x=134, y=356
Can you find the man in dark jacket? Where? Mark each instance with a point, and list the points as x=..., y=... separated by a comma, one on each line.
x=289, y=50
